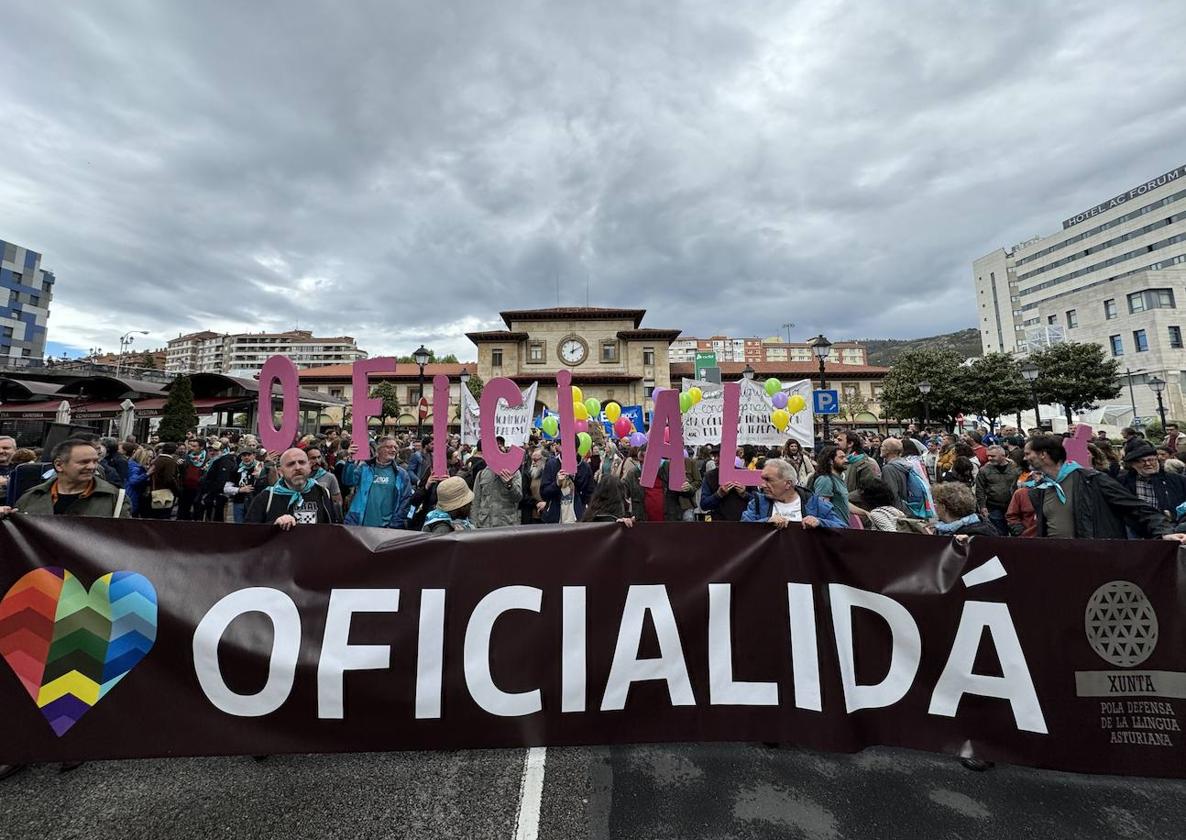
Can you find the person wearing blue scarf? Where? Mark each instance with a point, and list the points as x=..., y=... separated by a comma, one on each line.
x=295, y=498
x=955, y=505
x=1071, y=501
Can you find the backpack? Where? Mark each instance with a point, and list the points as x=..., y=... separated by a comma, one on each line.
x=918, y=501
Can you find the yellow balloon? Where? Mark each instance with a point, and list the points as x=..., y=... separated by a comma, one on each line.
x=780, y=418
x=612, y=412
x=796, y=403
x=579, y=410
x=696, y=394
x=577, y=396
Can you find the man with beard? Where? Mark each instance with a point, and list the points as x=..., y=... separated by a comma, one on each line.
x=295, y=498
x=384, y=488
x=1075, y=502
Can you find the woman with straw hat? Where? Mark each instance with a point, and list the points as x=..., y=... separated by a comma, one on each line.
x=451, y=513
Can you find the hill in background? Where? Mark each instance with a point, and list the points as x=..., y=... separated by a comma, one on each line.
x=883, y=351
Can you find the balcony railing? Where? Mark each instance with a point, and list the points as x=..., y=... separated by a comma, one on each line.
x=84, y=368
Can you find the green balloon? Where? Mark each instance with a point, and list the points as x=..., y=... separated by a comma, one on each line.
x=773, y=386
x=685, y=403
x=593, y=407
x=584, y=443
x=550, y=425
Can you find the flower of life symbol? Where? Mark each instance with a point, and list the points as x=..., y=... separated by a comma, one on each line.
x=1121, y=625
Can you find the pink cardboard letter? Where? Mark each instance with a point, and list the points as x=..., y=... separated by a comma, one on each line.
x=499, y=388
x=730, y=416
x=440, y=425
x=365, y=406
x=279, y=368
x=568, y=422
x=1076, y=446
x=665, y=439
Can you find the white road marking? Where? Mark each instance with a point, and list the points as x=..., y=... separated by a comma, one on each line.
x=531, y=794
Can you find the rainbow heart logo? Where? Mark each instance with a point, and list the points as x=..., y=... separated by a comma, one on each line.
x=68, y=646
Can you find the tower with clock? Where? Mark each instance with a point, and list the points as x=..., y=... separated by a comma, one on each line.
x=611, y=356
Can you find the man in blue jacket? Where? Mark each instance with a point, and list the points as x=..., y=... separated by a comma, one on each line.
x=384, y=488
x=781, y=502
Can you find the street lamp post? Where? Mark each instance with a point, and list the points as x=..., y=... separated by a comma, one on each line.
x=1157, y=385
x=924, y=388
x=420, y=357
x=822, y=347
x=1030, y=371
x=748, y=373
x=125, y=341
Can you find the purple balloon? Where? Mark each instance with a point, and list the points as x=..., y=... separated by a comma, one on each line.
x=638, y=439
x=779, y=399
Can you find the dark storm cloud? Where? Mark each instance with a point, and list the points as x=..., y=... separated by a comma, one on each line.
x=400, y=171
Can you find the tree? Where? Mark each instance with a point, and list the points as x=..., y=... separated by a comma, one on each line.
x=992, y=385
x=450, y=359
x=148, y=361
x=1076, y=375
x=852, y=404
x=901, y=397
x=385, y=391
x=178, y=415
x=475, y=385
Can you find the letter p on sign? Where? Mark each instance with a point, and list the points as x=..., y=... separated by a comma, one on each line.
x=826, y=402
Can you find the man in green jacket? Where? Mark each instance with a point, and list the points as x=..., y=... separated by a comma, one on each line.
x=995, y=484
x=76, y=490
x=859, y=470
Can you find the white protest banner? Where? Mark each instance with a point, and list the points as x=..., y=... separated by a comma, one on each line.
x=702, y=422
x=513, y=424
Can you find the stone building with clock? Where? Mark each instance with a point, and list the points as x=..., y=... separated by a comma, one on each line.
x=611, y=356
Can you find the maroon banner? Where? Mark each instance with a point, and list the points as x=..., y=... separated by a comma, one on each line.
x=140, y=639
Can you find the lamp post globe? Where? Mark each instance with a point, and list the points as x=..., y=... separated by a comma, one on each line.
x=1157, y=386
x=1030, y=372
x=420, y=356
x=924, y=388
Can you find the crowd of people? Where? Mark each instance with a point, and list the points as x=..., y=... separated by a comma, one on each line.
x=921, y=480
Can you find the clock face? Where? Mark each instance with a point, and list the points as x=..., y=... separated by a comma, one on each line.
x=572, y=351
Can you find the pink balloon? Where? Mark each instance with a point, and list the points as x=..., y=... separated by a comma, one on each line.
x=582, y=426
x=622, y=426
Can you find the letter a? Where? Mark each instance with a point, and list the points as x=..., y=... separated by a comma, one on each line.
x=1016, y=686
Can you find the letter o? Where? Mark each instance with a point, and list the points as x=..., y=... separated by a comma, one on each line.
x=281, y=369
x=286, y=646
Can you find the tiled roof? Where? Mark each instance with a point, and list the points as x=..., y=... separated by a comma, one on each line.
x=561, y=313
x=649, y=332
x=780, y=369
x=404, y=370
x=496, y=335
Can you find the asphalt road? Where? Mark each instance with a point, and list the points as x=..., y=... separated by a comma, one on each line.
x=680, y=791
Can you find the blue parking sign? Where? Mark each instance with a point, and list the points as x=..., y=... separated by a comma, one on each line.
x=826, y=402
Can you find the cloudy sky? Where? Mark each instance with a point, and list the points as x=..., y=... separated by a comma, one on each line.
x=400, y=171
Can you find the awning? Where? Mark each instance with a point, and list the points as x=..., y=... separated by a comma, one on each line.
x=110, y=410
